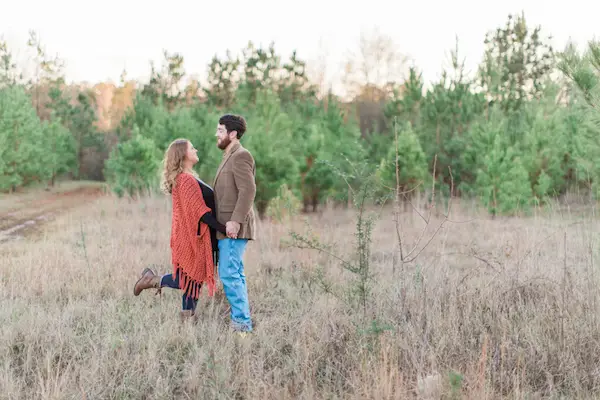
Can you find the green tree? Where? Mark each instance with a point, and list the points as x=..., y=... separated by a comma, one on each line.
x=343, y=148
x=223, y=79
x=583, y=74
x=547, y=145
x=165, y=84
x=60, y=150
x=21, y=140
x=294, y=85
x=502, y=181
x=409, y=161
x=406, y=99
x=147, y=116
x=442, y=117
x=325, y=141
x=78, y=116
x=9, y=75
x=268, y=138
x=132, y=168
x=47, y=72
x=516, y=63
x=260, y=70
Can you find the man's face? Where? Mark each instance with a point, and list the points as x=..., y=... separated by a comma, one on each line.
x=223, y=138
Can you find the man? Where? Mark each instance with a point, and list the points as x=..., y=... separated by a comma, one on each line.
x=235, y=189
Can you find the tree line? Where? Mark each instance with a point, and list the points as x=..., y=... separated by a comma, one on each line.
x=522, y=130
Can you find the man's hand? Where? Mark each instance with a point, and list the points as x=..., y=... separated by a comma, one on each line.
x=232, y=228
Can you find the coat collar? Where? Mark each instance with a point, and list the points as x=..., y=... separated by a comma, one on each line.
x=232, y=149
x=226, y=158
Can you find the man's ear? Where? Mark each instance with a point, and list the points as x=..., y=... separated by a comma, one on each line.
x=234, y=134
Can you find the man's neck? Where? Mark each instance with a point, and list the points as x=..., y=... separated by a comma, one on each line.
x=230, y=146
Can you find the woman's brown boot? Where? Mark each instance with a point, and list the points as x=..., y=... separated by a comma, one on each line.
x=148, y=280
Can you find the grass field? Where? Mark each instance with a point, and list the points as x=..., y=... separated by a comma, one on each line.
x=22, y=212
x=25, y=197
x=504, y=308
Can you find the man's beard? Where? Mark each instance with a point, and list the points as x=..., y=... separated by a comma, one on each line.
x=223, y=143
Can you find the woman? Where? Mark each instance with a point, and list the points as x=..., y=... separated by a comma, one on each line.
x=194, y=244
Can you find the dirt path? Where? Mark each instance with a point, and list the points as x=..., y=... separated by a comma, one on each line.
x=22, y=214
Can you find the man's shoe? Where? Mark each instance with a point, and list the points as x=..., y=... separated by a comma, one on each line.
x=148, y=280
x=238, y=328
x=242, y=334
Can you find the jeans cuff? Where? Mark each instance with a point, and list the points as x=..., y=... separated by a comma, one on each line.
x=241, y=327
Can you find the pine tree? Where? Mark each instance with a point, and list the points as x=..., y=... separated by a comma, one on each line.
x=583, y=71
x=270, y=140
x=223, y=79
x=60, y=150
x=502, y=180
x=516, y=63
x=409, y=159
x=21, y=140
x=9, y=76
x=132, y=168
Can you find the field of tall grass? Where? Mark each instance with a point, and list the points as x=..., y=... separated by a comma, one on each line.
x=489, y=309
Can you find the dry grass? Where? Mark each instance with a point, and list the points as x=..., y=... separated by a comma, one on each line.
x=36, y=194
x=491, y=309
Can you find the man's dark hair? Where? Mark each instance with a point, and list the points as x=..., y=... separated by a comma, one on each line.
x=234, y=123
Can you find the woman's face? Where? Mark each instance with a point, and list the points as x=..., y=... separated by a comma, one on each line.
x=191, y=156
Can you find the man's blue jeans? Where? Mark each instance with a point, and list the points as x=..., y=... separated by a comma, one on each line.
x=231, y=273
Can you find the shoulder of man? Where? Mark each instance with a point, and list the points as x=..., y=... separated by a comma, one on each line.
x=243, y=153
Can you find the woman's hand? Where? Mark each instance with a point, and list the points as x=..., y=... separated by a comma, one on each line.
x=232, y=228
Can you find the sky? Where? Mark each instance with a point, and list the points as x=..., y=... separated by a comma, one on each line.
x=99, y=39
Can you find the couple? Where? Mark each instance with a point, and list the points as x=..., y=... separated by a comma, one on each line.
x=209, y=227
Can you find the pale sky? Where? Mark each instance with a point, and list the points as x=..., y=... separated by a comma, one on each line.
x=99, y=39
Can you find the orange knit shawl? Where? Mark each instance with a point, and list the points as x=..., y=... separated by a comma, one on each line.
x=191, y=254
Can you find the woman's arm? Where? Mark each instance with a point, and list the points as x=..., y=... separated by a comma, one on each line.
x=211, y=221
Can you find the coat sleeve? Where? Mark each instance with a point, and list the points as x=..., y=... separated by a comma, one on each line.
x=243, y=174
x=192, y=201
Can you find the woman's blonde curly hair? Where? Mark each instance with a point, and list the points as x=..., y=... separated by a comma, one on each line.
x=173, y=164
